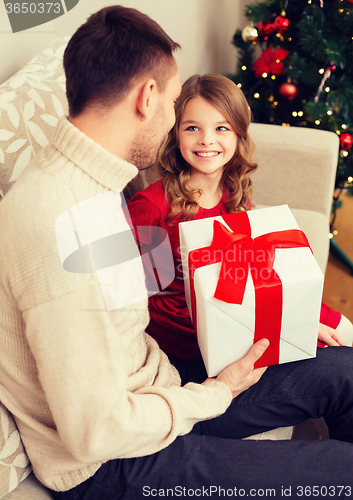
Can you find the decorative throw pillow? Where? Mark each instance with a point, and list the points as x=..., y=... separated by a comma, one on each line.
x=14, y=463
x=31, y=101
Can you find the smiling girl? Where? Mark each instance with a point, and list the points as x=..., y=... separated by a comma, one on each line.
x=205, y=165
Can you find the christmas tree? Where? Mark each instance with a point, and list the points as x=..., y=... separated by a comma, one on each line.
x=295, y=66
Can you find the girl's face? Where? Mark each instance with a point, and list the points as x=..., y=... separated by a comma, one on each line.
x=206, y=139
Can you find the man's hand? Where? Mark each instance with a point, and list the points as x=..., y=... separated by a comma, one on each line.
x=241, y=375
x=329, y=336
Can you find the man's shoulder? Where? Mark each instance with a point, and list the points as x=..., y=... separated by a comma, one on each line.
x=33, y=187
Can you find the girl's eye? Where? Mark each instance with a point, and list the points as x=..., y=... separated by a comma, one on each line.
x=192, y=128
x=222, y=128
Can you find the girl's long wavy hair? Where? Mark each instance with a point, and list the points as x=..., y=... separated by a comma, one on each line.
x=229, y=100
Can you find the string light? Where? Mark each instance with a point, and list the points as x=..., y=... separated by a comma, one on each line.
x=321, y=71
x=264, y=75
x=344, y=126
x=329, y=112
x=239, y=85
x=300, y=113
x=350, y=179
x=243, y=68
x=317, y=122
x=344, y=154
x=257, y=95
x=273, y=77
x=327, y=89
x=285, y=124
x=330, y=236
x=294, y=114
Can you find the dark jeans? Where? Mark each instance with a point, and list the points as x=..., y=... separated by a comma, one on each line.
x=213, y=462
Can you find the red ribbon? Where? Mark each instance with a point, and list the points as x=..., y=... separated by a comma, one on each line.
x=238, y=252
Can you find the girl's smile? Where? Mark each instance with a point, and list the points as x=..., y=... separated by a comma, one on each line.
x=206, y=154
x=206, y=139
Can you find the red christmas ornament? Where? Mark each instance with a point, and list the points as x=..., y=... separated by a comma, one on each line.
x=288, y=91
x=281, y=24
x=346, y=141
x=260, y=28
x=270, y=62
x=268, y=29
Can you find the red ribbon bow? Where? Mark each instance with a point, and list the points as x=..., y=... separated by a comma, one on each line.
x=238, y=252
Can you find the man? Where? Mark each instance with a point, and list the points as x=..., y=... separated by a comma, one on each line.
x=101, y=411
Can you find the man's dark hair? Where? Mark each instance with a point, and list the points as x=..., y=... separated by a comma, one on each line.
x=114, y=48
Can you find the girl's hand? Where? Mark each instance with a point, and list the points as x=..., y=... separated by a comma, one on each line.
x=329, y=336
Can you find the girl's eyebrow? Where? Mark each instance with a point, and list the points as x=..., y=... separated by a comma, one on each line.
x=188, y=121
x=185, y=122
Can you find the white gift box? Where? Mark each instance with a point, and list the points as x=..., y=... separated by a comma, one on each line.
x=225, y=331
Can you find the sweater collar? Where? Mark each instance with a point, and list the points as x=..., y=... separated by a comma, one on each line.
x=106, y=168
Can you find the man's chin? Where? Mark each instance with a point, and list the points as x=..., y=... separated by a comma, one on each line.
x=143, y=161
x=144, y=164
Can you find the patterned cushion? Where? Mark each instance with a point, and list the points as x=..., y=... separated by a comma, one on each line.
x=14, y=463
x=31, y=102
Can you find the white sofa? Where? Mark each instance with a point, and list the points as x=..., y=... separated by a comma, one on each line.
x=296, y=166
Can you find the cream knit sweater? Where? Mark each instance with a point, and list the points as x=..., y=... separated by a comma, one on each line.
x=84, y=384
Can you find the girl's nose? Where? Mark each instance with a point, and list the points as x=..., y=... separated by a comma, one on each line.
x=207, y=139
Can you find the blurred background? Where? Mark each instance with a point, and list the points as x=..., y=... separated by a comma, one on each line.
x=204, y=28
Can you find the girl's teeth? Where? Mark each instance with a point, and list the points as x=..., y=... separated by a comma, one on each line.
x=211, y=153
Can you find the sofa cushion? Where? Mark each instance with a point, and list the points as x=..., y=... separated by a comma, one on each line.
x=14, y=463
x=29, y=489
x=315, y=226
x=31, y=102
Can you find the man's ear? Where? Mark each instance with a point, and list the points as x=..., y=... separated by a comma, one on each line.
x=146, y=99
